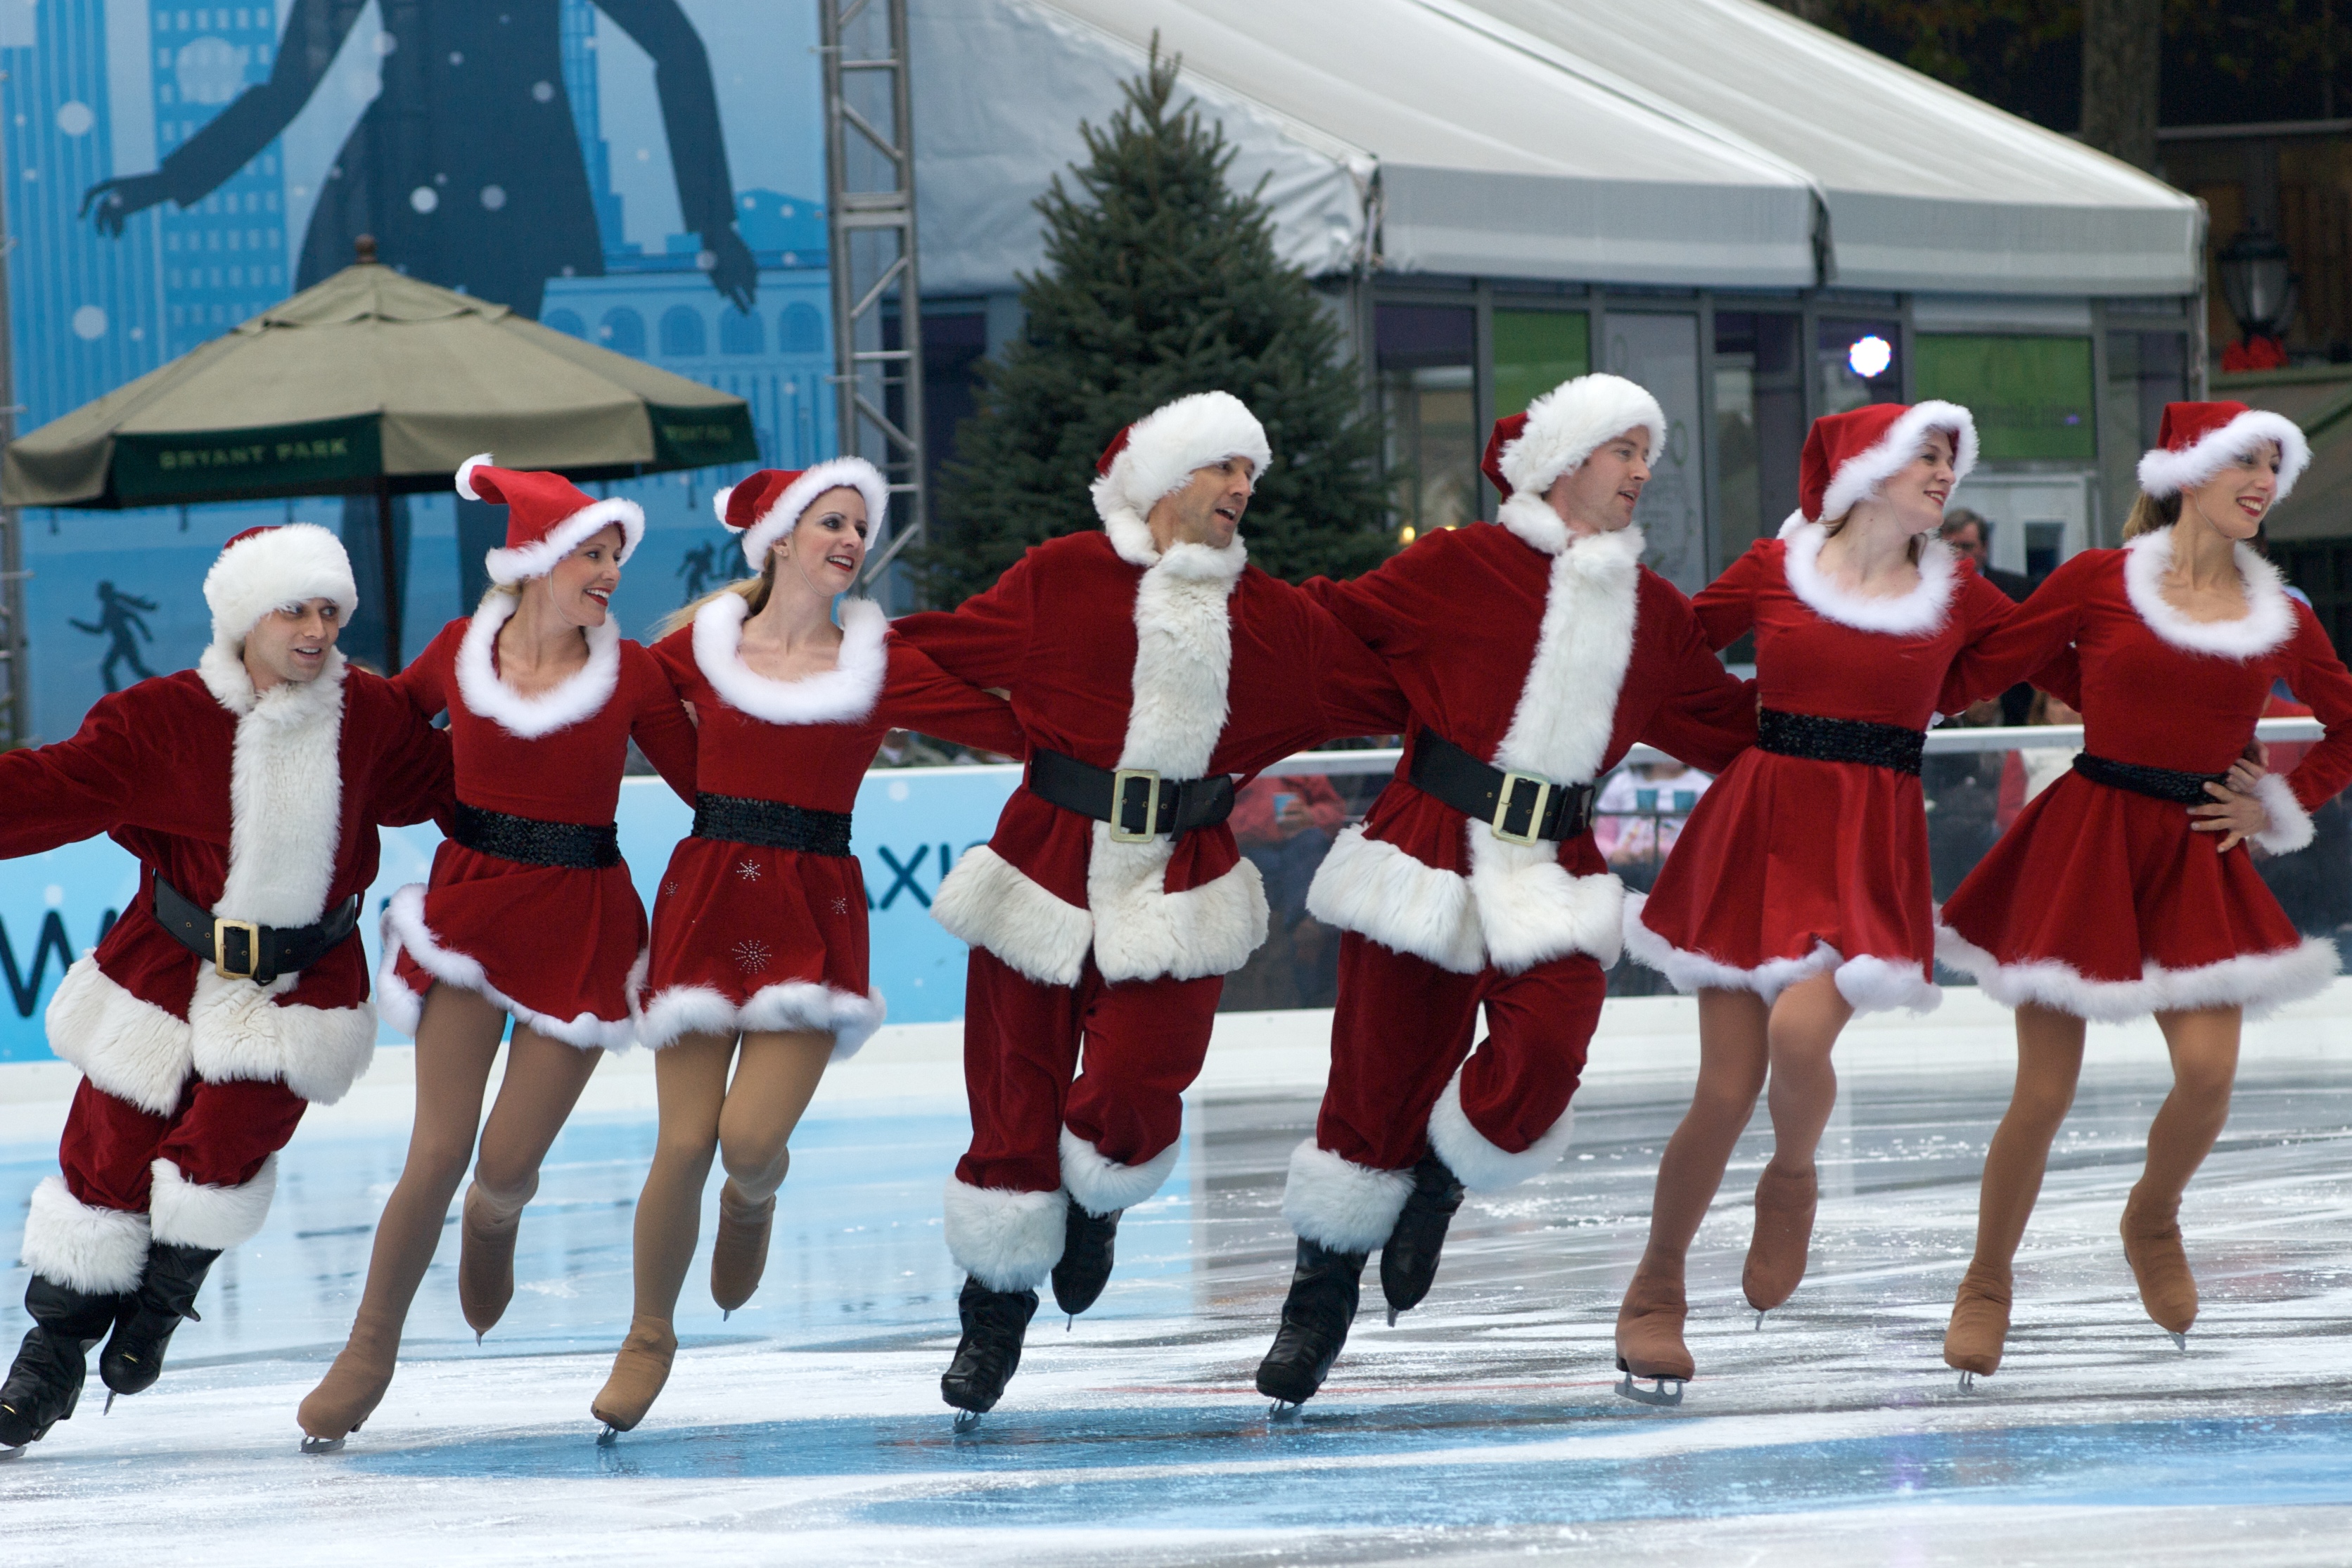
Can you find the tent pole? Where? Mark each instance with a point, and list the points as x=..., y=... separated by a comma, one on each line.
x=388, y=549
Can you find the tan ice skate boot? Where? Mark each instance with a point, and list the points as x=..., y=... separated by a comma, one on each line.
x=352, y=1387
x=486, y=1260
x=639, y=1372
x=2151, y=1231
x=1649, y=1336
x=738, y=1254
x=1784, y=1231
x=1972, y=1344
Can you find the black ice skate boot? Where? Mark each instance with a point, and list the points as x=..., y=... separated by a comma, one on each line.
x=994, y=1325
x=1085, y=1268
x=45, y=1384
x=134, y=1357
x=1324, y=1291
x=1409, y=1257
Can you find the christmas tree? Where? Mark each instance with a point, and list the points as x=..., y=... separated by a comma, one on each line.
x=1160, y=280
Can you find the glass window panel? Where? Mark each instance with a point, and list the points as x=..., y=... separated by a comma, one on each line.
x=2031, y=396
x=1534, y=350
x=1660, y=353
x=2148, y=370
x=1760, y=424
x=1429, y=413
x=1861, y=363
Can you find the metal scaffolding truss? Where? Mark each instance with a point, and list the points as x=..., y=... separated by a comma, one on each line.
x=16, y=705
x=877, y=318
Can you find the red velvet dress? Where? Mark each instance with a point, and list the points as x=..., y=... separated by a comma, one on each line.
x=2105, y=904
x=752, y=937
x=561, y=948
x=1793, y=867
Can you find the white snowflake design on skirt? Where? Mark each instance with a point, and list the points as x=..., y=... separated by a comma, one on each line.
x=748, y=870
x=753, y=957
x=840, y=906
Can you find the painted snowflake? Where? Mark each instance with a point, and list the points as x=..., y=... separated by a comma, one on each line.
x=840, y=906
x=748, y=870
x=669, y=890
x=753, y=957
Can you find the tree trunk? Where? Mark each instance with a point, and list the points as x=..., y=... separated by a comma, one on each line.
x=2121, y=44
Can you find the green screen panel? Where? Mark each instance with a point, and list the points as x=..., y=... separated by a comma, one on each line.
x=1534, y=350
x=2031, y=396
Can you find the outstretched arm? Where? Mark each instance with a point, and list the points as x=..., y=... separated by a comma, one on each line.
x=78, y=788
x=698, y=147
x=1709, y=715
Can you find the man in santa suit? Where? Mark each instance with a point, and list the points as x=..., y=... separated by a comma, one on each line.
x=233, y=992
x=1148, y=664
x=1534, y=655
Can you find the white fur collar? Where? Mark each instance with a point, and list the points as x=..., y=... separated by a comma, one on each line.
x=581, y=697
x=1131, y=536
x=2268, y=622
x=225, y=676
x=1918, y=614
x=1568, y=704
x=840, y=695
x=286, y=791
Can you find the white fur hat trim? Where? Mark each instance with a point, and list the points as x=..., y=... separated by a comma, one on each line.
x=1858, y=478
x=1165, y=447
x=781, y=517
x=1566, y=423
x=275, y=565
x=2167, y=473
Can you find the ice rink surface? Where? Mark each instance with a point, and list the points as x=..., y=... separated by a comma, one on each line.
x=1483, y=1427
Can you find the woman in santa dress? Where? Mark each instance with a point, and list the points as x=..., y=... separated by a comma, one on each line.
x=1798, y=893
x=2125, y=889
x=529, y=914
x=759, y=951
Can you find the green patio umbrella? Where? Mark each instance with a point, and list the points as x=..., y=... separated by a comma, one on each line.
x=371, y=382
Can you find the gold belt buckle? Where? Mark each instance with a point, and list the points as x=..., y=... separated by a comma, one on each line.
x=221, y=928
x=1511, y=783
x=1118, y=781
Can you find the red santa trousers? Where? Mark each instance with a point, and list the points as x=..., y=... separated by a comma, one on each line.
x=219, y=1136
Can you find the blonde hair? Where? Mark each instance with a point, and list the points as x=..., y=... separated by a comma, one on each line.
x=2150, y=513
x=755, y=590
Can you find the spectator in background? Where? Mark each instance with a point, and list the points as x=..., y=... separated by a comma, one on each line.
x=1640, y=815
x=1285, y=827
x=2031, y=769
x=904, y=748
x=1968, y=533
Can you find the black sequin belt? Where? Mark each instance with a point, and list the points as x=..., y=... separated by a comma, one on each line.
x=771, y=824
x=2158, y=783
x=1819, y=739
x=531, y=842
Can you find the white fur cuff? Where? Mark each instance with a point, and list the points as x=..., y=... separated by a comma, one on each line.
x=1102, y=1186
x=191, y=1214
x=1338, y=1204
x=79, y=1245
x=2291, y=828
x=1007, y=1240
x=1483, y=1165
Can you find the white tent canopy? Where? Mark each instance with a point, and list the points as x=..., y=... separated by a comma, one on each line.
x=1673, y=142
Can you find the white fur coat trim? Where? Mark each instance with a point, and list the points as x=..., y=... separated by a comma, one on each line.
x=846, y=693
x=1919, y=613
x=102, y=1251
x=990, y=903
x=285, y=790
x=2167, y=473
x=2261, y=983
x=1483, y=1165
x=2291, y=826
x=123, y=1044
x=1569, y=422
x=191, y=1214
x=580, y=695
x=1375, y=889
x=1007, y=1240
x=1336, y=1203
x=790, y=1005
x=239, y=1031
x=2268, y=623
x=1869, y=984
x=1531, y=521
x=1100, y=1184
x=1858, y=478
x=404, y=930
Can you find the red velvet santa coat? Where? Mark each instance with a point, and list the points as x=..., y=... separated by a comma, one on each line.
x=2105, y=904
x=749, y=937
x=1539, y=651
x=1190, y=663
x=257, y=810
x=1791, y=867
x=560, y=948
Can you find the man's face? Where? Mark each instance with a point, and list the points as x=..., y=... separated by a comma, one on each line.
x=1598, y=495
x=1969, y=539
x=291, y=643
x=1206, y=508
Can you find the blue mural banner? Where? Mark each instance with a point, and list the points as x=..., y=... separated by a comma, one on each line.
x=911, y=825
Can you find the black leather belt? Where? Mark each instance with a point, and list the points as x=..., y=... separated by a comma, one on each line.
x=2159, y=783
x=1819, y=739
x=242, y=950
x=1520, y=807
x=533, y=843
x=771, y=824
x=1138, y=803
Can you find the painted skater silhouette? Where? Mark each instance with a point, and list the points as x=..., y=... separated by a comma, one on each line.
x=118, y=617
x=700, y=565
x=466, y=167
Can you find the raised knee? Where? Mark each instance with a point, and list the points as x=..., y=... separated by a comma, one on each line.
x=756, y=1163
x=2204, y=1086
x=507, y=1184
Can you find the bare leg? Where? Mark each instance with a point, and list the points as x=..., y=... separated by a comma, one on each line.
x=2204, y=1046
x=456, y=1040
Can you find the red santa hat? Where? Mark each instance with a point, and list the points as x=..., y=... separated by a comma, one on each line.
x=1849, y=456
x=2198, y=440
x=1526, y=453
x=1154, y=456
x=548, y=517
x=261, y=569
x=768, y=506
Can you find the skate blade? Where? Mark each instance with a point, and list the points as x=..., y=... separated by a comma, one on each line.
x=110, y=1395
x=1392, y=1317
x=1069, y=1322
x=322, y=1445
x=1968, y=1383
x=1284, y=1410
x=1759, y=1319
x=1657, y=1393
x=9, y=1454
x=2179, y=1341
x=966, y=1421
x=608, y=1436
